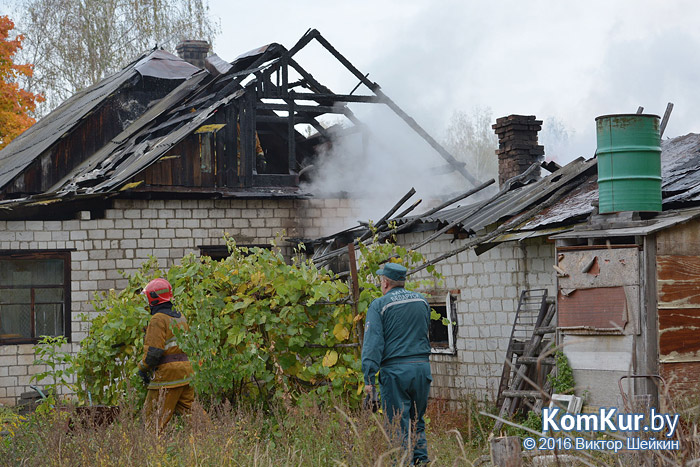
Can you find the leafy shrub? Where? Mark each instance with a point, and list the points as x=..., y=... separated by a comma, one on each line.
x=562, y=380
x=260, y=329
x=59, y=364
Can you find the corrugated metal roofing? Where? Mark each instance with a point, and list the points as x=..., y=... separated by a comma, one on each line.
x=138, y=146
x=164, y=65
x=577, y=204
x=185, y=110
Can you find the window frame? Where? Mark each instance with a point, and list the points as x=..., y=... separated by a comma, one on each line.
x=219, y=252
x=64, y=255
x=449, y=302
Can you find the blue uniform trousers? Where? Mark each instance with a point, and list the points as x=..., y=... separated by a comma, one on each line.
x=404, y=388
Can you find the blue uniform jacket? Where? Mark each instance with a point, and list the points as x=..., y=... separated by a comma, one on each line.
x=396, y=328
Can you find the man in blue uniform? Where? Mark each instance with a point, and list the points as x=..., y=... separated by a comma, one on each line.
x=396, y=340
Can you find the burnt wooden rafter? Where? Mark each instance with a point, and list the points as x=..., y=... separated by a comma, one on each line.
x=393, y=106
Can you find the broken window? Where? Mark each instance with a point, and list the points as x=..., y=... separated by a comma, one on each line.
x=443, y=330
x=219, y=252
x=34, y=296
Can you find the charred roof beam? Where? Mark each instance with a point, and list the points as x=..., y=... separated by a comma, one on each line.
x=374, y=87
x=312, y=109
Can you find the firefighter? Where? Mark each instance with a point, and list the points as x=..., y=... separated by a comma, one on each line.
x=165, y=369
x=260, y=160
x=396, y=340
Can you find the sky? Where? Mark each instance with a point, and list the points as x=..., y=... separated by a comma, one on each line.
x=565, y=62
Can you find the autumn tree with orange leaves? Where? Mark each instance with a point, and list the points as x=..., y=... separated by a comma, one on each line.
x=15, y=103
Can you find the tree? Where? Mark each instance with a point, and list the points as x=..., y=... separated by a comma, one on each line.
x=77, y=43
x=471, y=139
x=15, y=103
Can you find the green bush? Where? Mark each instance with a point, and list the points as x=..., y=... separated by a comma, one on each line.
x=260, y=329
x=562, y=380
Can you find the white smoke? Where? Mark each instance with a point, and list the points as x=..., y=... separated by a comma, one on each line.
x=379, y=168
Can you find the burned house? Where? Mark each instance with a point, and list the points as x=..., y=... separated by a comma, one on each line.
x=488, y=253
x=162, y=159
x=624, y=284
x=618, y=288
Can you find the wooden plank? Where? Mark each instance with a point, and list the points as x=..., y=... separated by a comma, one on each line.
x=681, y=378
x=678, y=294
x=194, y=160
x=617, y=267
x=678, y=268
x=679, y=339
x=403, y=115
x=647, y=347
x=506, y=452
x=664, y=120
x=682, y=239
x=597, y=308
x=678, y=281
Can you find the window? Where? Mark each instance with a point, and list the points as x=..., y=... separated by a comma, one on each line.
x=442, y=336
x=34, y=296
x=219, y=252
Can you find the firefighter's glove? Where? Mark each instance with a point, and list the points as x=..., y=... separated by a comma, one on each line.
x=145, y=377
x=371, y=401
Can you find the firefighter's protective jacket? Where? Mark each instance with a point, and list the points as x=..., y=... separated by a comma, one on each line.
x=396, y=331
x=161, y=351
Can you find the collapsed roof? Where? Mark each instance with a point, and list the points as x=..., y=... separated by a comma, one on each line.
x=162, y=126
x=561, y=202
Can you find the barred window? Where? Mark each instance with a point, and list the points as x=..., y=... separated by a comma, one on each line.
x=34, y=296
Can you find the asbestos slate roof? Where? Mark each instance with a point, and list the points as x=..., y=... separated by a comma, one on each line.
x=509, y=203
x=680, y=169
x=142, y=143
x=24, y=149
x=571, y=193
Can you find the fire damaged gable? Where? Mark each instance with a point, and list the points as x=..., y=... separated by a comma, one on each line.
x=57, y=144
x=164, y=129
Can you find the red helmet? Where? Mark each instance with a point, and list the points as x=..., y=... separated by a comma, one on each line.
x=158, y=291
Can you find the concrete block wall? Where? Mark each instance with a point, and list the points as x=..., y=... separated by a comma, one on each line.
x=489, y=288
x=133, y=230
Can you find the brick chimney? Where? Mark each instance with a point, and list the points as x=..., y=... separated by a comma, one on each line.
x=194, y=52
x=517, y=145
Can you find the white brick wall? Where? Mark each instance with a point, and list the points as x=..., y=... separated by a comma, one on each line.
x=134, y=229
x=489, y=285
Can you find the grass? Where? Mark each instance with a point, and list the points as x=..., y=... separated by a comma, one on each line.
x=306, y=435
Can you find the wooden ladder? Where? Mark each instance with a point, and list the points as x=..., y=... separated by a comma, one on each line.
x=524, y=356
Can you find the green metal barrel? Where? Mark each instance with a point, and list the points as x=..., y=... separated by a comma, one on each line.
x=629, y=163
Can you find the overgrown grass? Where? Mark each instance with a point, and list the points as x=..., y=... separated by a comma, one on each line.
x=306, y=435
